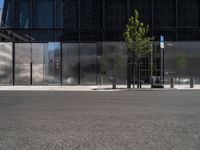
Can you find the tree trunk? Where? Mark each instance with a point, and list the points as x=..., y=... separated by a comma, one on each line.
x=128, y=72
x=133, y=71
x=138, y=73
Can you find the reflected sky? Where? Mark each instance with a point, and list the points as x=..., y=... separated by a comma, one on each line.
x=1, y=3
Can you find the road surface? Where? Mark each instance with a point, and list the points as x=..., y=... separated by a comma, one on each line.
x=122, y=120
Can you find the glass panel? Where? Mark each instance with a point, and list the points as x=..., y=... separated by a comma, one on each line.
x=164, y=13
x=7, y=14
x=114, y=62
x=39, y=52
x=70, y=63
x=188, y=13
x=46, y=63
x=53, y=69
x=1, y=3
x=70, y=15
x=88, y=63
x=6, y=63
x=156, y=66
x=22, y=63
x=115, y=13
x=21, y=9
x=99, y=64
x=146, y=68
x=182, y=61
x=59, y=13
x=91, y=13
x=43, y=14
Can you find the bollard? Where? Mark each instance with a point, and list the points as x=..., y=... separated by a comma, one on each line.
x=152, y=82
x=114, y=83
x=128, y=84
x=191, y=82
x=172, y=83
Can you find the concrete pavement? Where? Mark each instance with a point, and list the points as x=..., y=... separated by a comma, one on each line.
x=123, y=120
x=90, y=88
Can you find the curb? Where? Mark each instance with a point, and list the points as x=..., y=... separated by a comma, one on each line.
x=90, y=88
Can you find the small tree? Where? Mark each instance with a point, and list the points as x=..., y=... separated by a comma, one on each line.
x=137, y=42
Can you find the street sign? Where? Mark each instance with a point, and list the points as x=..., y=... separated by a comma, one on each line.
x=162, y=42
x=162, y=47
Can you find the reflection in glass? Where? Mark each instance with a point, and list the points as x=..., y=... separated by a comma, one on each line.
x=114, y=62
x=7, y=14
x=22, y=63
x=70, y=63
x=88, y=63
x=46, y=63
x=6, y=63
x=40, y=63
x=182, y=61
x=43, y=13
x=54, y=63
x=39, y=73
x=21, y=8
x=40, y=59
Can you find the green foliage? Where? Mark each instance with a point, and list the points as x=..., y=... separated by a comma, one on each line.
x=136, y=36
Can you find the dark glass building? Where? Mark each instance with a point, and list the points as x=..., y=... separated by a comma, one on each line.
x=81, y=42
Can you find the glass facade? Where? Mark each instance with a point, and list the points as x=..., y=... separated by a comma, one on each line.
x=114, y=62
x=188, y=13
x=37, y=63
x=70, y=63
x=88, y=66
x=22, y=13
x=22, y=63
x=81, y=41
x=182, y=61
x=99, y=20
x=7, y=14
x=43, y=16
x=6, y=65
x=164, y=13
x=46, y=63
x=56, y=63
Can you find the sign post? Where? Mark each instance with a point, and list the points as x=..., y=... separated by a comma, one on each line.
x=162, y=49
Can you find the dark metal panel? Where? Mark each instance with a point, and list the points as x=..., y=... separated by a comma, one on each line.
x=103, y=19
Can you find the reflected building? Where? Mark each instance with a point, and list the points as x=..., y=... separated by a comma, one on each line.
x=80, y=41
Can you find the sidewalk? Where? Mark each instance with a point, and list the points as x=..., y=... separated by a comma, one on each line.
x=91, y=88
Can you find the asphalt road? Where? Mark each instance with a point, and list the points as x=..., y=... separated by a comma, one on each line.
x=126, y=120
